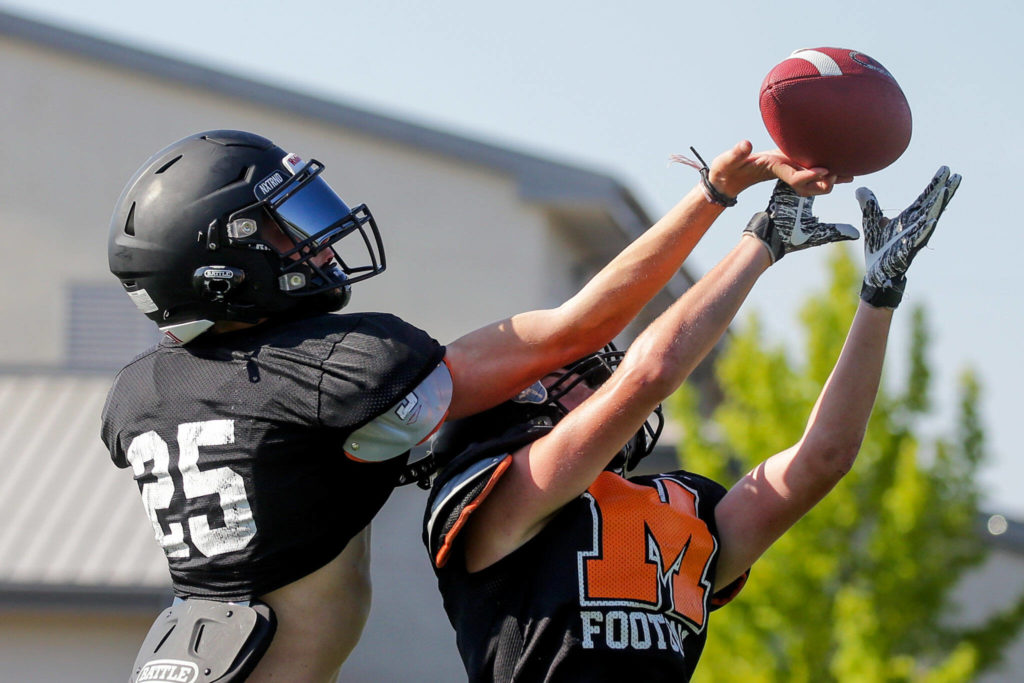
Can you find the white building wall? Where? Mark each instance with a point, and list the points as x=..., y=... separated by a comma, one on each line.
x=461, y=246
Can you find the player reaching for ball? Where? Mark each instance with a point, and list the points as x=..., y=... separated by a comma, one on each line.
x=554, y=566
x=265, y=433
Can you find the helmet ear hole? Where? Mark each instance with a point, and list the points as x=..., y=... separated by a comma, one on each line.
x=214, y=283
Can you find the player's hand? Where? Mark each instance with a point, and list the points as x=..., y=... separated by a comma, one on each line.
x=737, y=169
x=789, y=224
x=891, y=245
x=806, y=182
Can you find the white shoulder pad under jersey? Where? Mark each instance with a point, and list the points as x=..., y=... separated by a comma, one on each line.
x=406, y=423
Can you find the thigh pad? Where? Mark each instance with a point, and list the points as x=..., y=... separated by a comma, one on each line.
x=202, y=640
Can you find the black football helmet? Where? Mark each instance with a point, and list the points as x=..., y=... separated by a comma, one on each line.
x=534, y=409
x=196, y=236
x=594, y=370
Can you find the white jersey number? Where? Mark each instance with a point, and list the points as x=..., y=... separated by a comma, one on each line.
x=239, y=527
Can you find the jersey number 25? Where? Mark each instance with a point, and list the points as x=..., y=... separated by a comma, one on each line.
x=239, y=527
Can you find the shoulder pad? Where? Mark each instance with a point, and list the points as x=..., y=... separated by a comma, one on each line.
x=407, y=423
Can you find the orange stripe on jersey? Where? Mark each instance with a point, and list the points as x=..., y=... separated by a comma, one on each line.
x=436, y=427
x=726, y=595
x=441, y=559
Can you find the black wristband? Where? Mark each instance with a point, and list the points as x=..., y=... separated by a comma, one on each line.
x=887, y=296
x=760, y=226
x=710, y=191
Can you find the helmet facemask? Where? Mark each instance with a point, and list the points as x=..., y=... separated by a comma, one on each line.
x=594, y=370
x=313, y=220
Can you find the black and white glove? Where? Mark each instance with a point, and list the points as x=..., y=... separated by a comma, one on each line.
x=789, y=225
x=890, y=245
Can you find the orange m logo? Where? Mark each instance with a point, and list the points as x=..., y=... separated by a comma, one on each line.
x=651, y=549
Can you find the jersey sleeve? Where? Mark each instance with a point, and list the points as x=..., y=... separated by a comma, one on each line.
x=724, y=596
x=372, y=369
x=453, y=502
x=110, y=428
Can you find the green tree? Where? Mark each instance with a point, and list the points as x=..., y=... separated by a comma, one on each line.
x=860, y=589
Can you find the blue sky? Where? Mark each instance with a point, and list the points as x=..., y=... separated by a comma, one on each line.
x=617, y=87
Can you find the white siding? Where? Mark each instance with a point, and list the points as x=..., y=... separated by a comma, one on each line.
x=461, y=245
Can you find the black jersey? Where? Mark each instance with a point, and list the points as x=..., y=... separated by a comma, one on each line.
x=617, y=586
x=236, y=442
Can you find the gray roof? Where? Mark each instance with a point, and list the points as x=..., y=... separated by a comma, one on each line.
x=71, y=520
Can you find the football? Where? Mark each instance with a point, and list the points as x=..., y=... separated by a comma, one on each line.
x=836, y=108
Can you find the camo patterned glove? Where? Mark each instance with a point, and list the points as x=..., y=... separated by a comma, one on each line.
x=788, y=224
x=890, y=245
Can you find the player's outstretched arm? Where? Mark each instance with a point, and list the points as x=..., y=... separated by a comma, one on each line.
x=493, y=363
x=550, y=472
x=557, y=468
x=778, y=492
